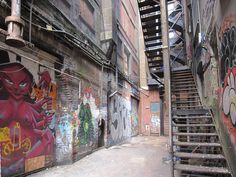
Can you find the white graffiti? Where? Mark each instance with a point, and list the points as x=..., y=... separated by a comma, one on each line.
x=229, y=98
x=121, y=122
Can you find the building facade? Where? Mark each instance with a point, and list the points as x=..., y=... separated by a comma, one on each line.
x=72, y=87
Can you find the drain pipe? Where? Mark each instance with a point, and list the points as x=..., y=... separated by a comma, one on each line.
x=15, y=25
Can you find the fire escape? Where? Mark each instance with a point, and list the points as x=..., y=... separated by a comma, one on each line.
x=196, y=149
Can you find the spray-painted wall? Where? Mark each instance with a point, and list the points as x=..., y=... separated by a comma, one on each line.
x=28, y=97
x=214, y=67
x=65, y=112
x=48, y=117
x=120, y=123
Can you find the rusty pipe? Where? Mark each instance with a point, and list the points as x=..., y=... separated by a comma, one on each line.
x=15, y=25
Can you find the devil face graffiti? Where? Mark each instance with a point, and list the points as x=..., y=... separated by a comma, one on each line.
x=16, y=81
x=24, y=132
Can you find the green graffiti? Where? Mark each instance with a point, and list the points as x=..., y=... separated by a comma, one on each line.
x=86, y=129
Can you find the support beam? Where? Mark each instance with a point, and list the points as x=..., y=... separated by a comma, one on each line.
x=166, y=61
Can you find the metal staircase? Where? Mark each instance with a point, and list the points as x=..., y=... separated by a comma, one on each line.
x=150, y=16
x=151, y=24
x=197, y=151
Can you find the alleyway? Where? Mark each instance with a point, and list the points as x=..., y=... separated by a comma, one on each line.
x=142, y=157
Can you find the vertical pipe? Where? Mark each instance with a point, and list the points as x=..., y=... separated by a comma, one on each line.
x=30, y=22
x=166, y=62
x=186, y=34
x=161, y=114
x=15, y=25
x=16, y=8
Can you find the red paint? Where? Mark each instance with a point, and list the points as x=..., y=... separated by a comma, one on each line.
x=17, y=82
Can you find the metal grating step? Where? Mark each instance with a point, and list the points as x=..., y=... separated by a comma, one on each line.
x=150, y=18
x=150, y=10
x=199, y=155
x=201, y=169
x=192, y=117
x=198, y=144
x=191, y=112
x=194, y=134
x=147, y=3
x=185, y=102
x=194, y=125
x=150, y=24
x=184, y=89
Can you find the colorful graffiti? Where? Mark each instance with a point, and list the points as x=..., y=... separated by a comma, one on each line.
x=229, y=95
x=227, y=36
x=24, y=132
x=86, y=129
x=120, y=119
x=134, y=116
x=64, y=136
x=228, y=51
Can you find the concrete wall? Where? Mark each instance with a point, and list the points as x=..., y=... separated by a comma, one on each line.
x=213, y=64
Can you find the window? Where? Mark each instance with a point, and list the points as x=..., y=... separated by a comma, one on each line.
x=87, y=13
x=155, y=107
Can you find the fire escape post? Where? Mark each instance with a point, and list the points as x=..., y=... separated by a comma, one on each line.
x=166, y=63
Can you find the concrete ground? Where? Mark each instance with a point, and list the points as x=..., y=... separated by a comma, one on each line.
x=143, y=156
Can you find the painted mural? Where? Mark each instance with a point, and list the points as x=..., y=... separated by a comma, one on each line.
x=134, y=117
x=120, y=119
x=67, y=117
x=227, y=36
x=25, y=116
x=86, y=129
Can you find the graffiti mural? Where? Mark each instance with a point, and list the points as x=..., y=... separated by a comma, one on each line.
x=228, y=72
x=120, y=118
x=86, y=130
x=227, y=36
x=24, y=131
x=67, y=117
x=134, y=116
x=229, y=95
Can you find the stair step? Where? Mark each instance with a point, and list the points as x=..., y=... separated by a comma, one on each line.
x=183, y=83
x=191, y=112
x=188, y=106
x=176, y=77
x=150, y=18
x=199, y=155
x=194, y=125
x=194, y=134
x=150, y=10
x=181, y=71
x=185, y=98
x=186, y=90
x=183, y=86
x=182, y=80
x=201, y=169
x=192, y=117
x=178, y=143
x=192, y=81
x=189, y=93
x=185, y=102
x=147, y=3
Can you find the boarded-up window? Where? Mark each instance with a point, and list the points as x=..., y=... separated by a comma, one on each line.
x=155, y=107
x=87, y=13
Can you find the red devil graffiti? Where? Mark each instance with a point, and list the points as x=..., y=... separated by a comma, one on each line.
x=16, y=108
